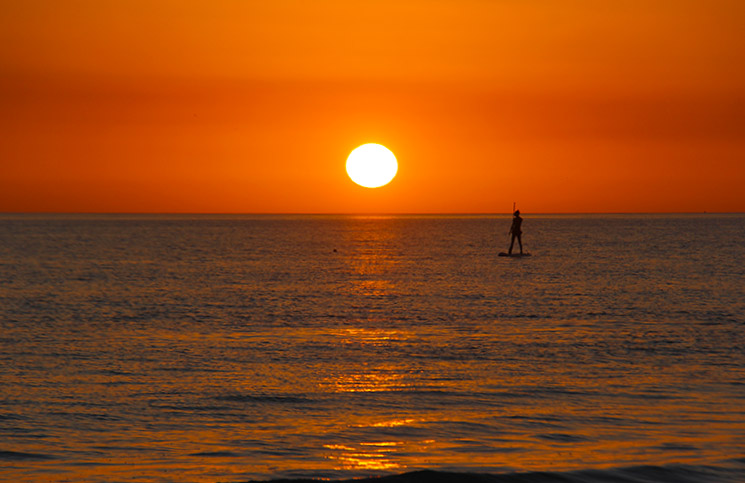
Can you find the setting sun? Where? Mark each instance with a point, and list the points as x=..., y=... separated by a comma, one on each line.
x=372, y=165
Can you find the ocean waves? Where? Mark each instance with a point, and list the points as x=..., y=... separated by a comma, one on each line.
x=728, y=472
x=332, y=347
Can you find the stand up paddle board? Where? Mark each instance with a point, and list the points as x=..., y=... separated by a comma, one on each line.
x=513, y=255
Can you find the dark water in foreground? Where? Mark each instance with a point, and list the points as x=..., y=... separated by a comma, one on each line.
x=154, y=348
x=730, y=471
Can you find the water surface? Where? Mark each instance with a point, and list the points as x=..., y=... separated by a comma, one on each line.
x=228, y=348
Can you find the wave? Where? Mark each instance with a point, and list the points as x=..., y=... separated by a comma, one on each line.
x=729, y=472
x=20, y=456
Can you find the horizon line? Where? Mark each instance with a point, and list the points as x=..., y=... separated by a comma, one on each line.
x=250, y=213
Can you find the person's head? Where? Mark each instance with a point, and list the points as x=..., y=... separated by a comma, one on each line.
x=517, y=213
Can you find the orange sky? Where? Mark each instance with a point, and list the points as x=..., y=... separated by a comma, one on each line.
x=253, y=106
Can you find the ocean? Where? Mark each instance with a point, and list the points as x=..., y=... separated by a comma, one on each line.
x=177, y=348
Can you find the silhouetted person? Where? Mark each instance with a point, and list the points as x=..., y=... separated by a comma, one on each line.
x=516, y=231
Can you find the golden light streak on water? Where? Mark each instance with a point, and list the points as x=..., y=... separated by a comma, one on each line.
x=393, y=424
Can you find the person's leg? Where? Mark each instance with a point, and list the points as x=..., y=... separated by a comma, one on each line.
x=512, y=243
x=520, y=241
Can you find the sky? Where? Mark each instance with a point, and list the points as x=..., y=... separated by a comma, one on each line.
x=231, y=106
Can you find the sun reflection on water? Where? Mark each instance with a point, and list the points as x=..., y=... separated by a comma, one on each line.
x=367, y=456
x=392, y=424
x=383, y=379
x=349, y=335
x=369, y=265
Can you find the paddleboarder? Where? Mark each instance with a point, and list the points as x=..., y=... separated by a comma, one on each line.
x=516, y=231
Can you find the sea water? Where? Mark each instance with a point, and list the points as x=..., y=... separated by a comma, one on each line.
x=232, y=348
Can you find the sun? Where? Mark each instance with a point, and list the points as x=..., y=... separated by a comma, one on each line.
x=372, y=165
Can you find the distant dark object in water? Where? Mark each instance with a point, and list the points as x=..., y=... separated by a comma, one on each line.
x=514, y=255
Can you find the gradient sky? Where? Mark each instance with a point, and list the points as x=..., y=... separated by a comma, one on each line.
x=253, y=106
